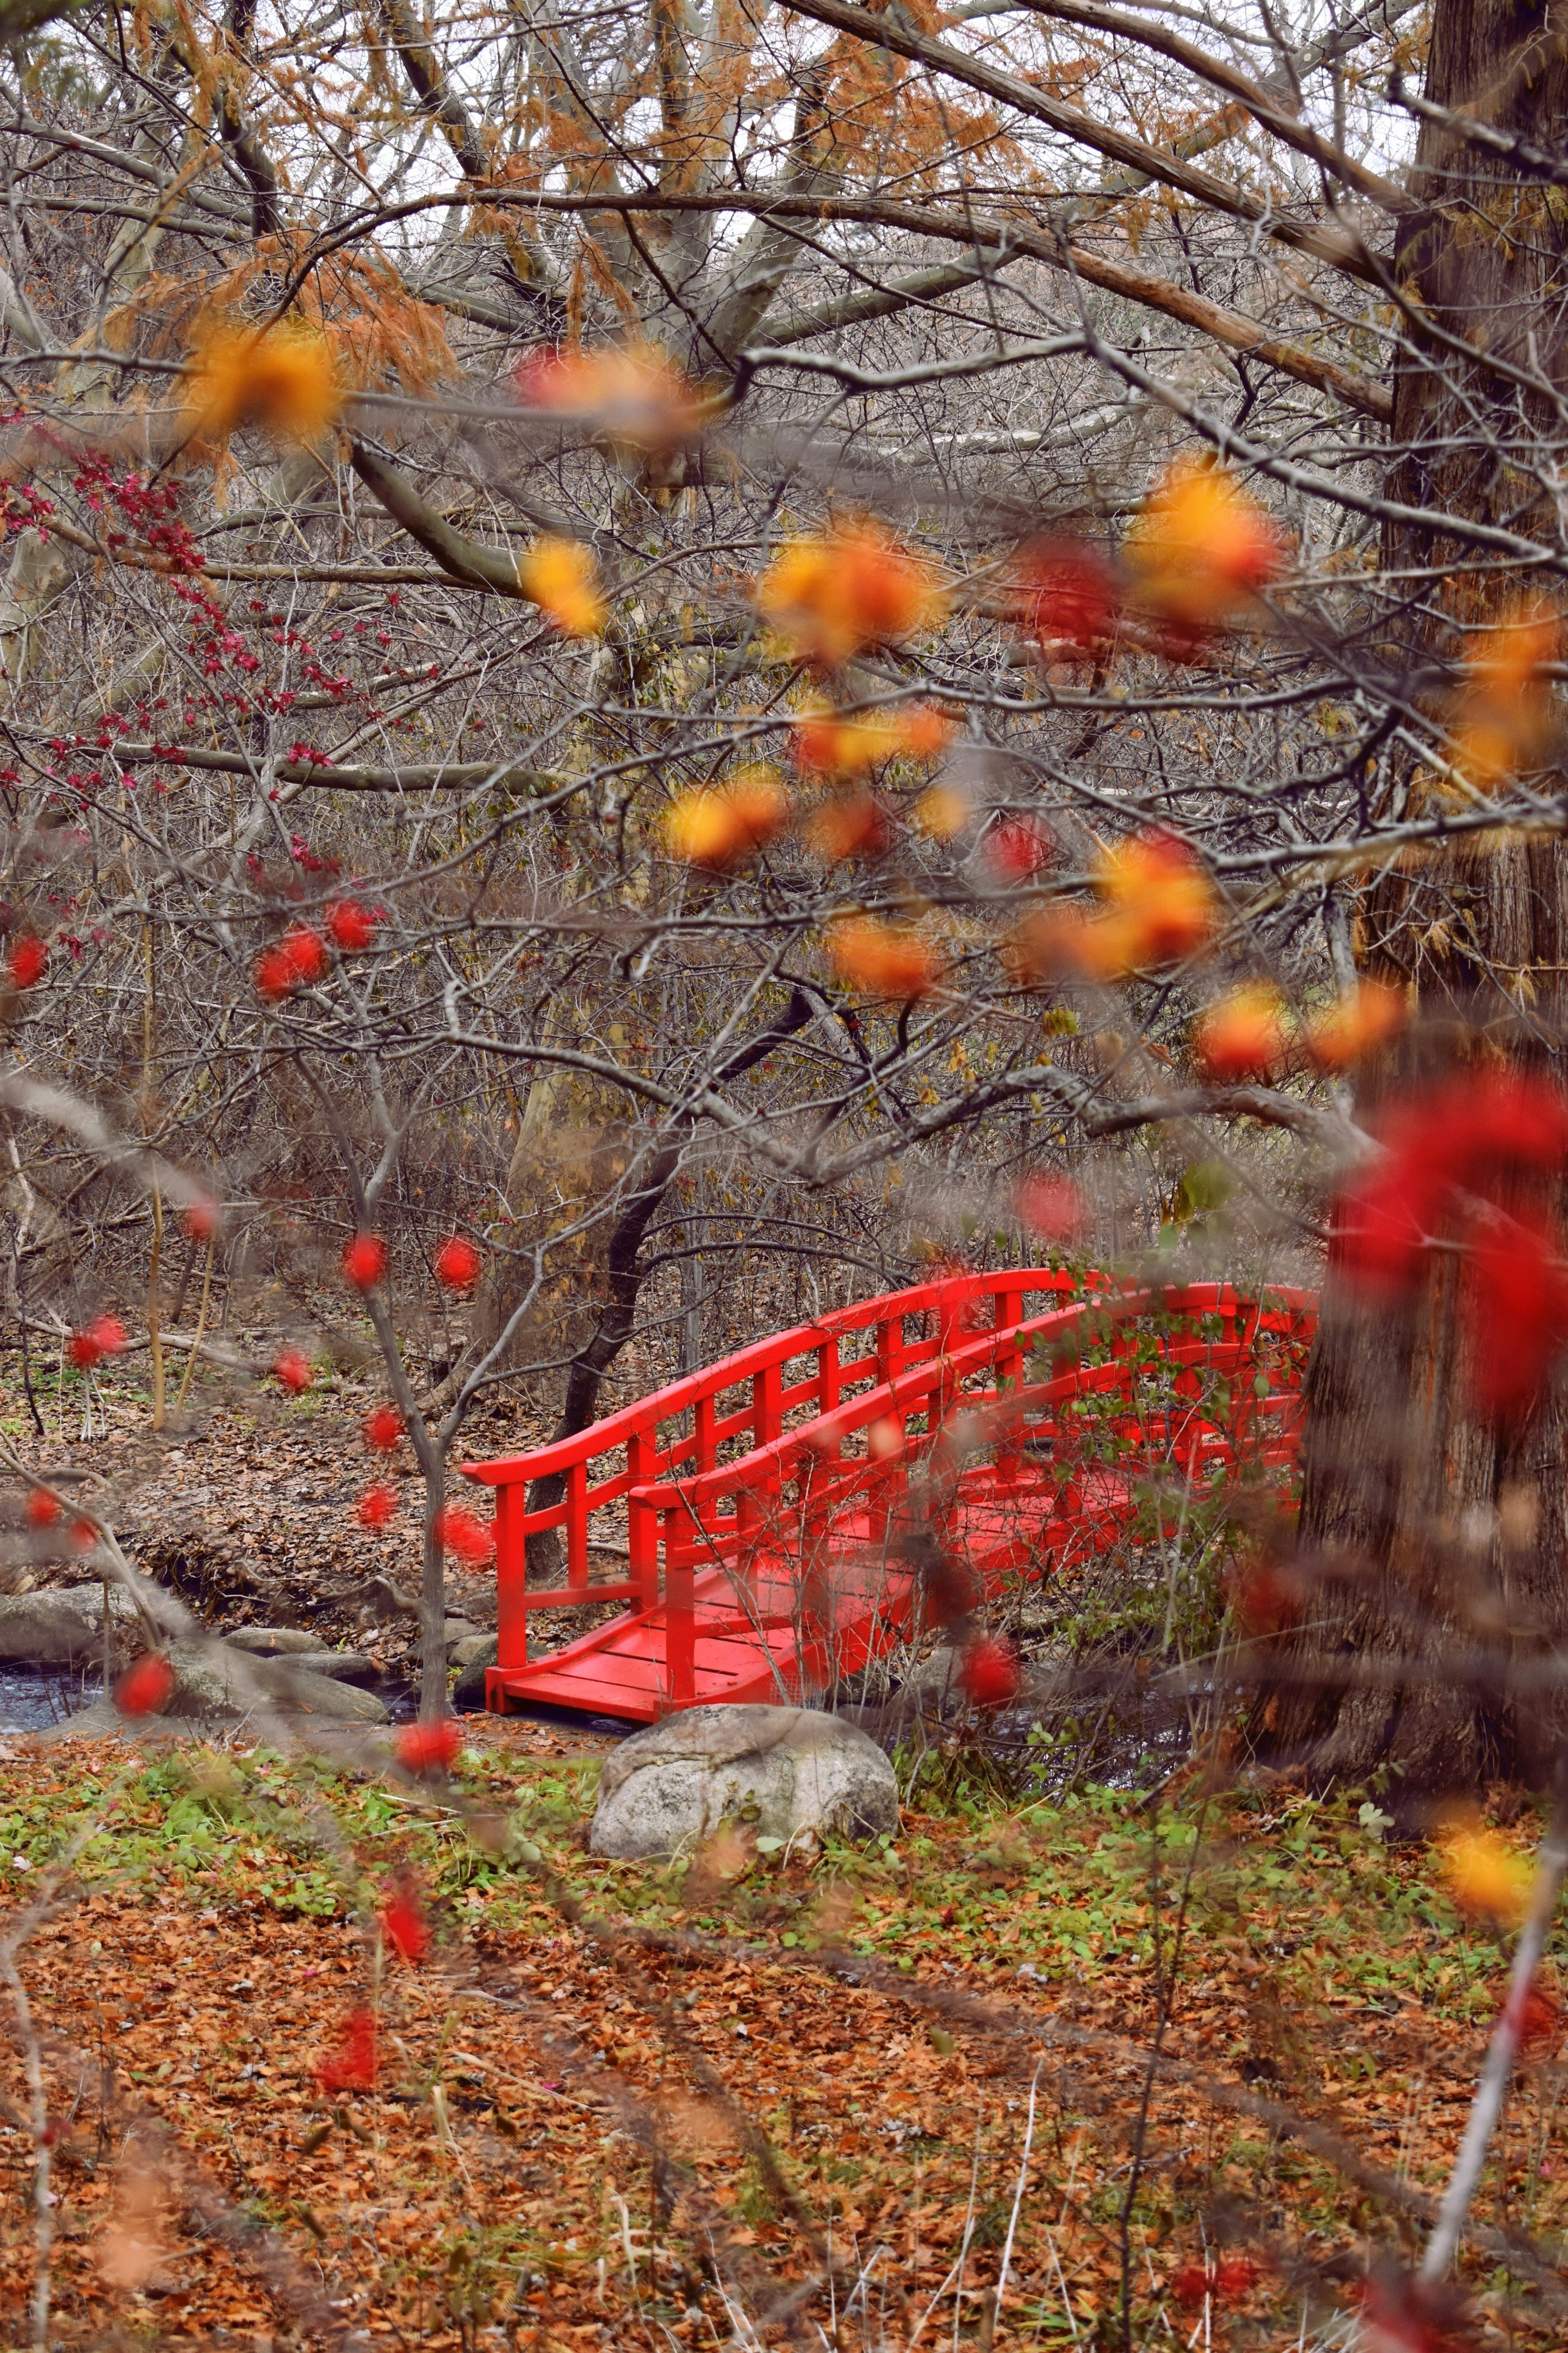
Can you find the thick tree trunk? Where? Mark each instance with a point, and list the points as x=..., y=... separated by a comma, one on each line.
x=1428, y=1534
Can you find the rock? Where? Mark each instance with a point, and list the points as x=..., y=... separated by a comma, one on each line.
x=324, y=1697
x=458, y=1630
x=473, y=1656
x=934, y=1681
x=274, y=1642
x=790, y=1771
x=63, y=1625
x=221, y=1685
x=344, y=1666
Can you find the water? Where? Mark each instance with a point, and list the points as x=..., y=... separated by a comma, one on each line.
x=33, y=1698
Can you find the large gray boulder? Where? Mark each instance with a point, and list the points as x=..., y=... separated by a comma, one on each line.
x=790, y=1773
x=344, y=1666
x=219, y=1685
x=275, y=1642
x=61, y=1626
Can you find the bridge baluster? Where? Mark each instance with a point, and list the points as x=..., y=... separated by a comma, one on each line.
x=511, y=1571
x=679, y=1608
x=642, y=1520
x=577, y=1526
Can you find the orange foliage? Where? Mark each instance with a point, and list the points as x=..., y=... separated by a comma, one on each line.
x=1159, y=908
x=282, y=379
x=561, y=577
x=1505, y=716
x=882, y=959
x=834, y=745
x=1486, y=1876
x=1200, y=548
x=633, y=394
x=1357, y=1025
x=831, y=597
x=1242, y=1037
x=850, y=825
x=720, y=824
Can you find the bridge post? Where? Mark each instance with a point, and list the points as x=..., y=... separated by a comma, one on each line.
x=577, y=1527
x=827, y=1383
x=512, y=1576
x=679, y=1609
x=642, y=1520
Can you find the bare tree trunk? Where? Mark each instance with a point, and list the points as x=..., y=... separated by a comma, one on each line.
x=1427, y=1529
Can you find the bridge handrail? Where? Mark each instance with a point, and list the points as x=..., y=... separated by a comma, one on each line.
x=760, y=1356
x=765, y=1465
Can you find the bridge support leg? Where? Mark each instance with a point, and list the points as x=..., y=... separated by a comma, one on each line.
x=679, y=1611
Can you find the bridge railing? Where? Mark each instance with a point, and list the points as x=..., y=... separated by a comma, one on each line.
x=784, y=1498
x=713, y=1493
x=736, y=1406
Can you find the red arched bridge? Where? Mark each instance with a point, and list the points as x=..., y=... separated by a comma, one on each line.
x=777, y=1513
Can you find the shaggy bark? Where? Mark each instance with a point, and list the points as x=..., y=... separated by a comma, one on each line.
x=1426, y=1529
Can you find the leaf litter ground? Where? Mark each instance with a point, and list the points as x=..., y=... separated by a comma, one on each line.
x=850, y=2088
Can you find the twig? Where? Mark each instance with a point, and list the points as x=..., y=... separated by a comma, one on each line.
x=1017, y=2197
x=1497, y=2071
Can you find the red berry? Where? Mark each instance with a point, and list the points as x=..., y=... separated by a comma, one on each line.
x=1018, y=848
x=25, y=966
x=376, y=1506
x=299, y=958
x=457, y=1264
x=989, y=1674
x=1191, y=2282
x=404, y=1925
x=291, y=1371
x=350, y=2065
x=104, y=1336
x=43, y=1509
x=465, y=1534
x=352, y=925
x=307, y=953
x=274, y=975
x=146, y=1688
x=200, y=1220
x=429, y=1747
x=365, y=1261
x=1068, y=596
x=383, y=1427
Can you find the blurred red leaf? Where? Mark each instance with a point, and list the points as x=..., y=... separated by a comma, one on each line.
x=465, y=1534
x=299, y=958
x=351, y=927
x=146, y=1688
x=382, y=1427
x=989, y=1673
x=105, y=1336
x=43, y=1509
x=1067, y=593
x=1536, y=2020
x=26, y=964
x=1050, y=1206
x=429, y=1747
x=376, y=1506
x=365, y=1261
x=1518, y=1317
x=404, y=1923
x=351, y=2064
x=291, y=1371
x=457, y=1264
